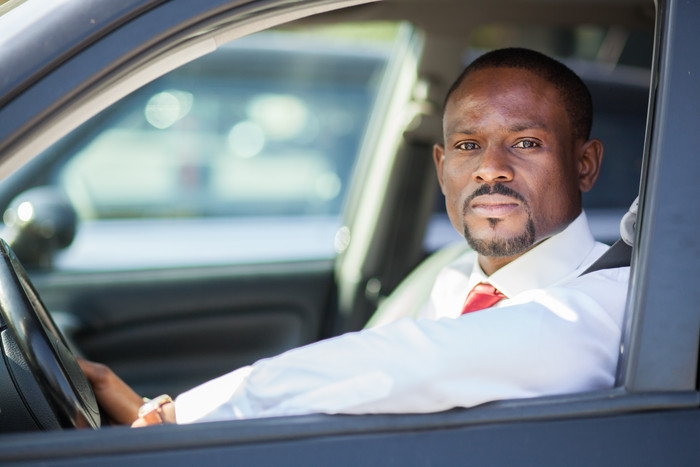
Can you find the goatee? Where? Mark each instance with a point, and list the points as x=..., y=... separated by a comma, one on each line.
x=500, y=247
x=503, y=247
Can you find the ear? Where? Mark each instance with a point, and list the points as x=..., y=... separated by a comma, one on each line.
x=590, y=158
x=439, y=159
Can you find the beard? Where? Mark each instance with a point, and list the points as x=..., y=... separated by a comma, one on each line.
x=501, y=247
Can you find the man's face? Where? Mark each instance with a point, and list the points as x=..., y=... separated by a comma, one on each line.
x=510, y=168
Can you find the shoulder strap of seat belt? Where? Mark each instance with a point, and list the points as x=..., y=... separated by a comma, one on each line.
x=618, y=255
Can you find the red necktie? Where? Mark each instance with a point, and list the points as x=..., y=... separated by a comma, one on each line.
x=481, y=296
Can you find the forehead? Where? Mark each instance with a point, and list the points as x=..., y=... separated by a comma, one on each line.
x=514, y=95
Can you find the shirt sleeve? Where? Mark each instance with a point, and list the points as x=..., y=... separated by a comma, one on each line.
x=551, y=341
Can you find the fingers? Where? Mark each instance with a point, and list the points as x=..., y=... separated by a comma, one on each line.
x=96, y=373
x=139, y=423
x=157, y=411
x=115, y=397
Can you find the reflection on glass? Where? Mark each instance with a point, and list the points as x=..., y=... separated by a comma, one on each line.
x=328, y=185
x=266, y=126
x=246, y=139
x=281, y=116
x=167, y=107
x=246, y=152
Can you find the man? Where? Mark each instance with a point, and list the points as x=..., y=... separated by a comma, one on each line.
x=516, y=157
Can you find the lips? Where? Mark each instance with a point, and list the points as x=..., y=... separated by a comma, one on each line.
x=493, y=205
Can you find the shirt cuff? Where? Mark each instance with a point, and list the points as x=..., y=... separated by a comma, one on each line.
x=212, y=400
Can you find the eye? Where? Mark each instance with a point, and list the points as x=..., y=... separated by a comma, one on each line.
x=526, y=144
x=467, y=146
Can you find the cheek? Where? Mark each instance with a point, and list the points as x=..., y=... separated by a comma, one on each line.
x=456, y=175
x=453, y=204
x=550, y=201
x=455, y=185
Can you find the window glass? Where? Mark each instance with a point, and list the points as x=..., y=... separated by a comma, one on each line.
x=242, y=155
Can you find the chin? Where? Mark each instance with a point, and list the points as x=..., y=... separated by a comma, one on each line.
x=501, y=245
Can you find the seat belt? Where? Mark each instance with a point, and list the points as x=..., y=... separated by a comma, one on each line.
x=617, y=256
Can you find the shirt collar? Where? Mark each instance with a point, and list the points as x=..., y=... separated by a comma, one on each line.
x=555, y=258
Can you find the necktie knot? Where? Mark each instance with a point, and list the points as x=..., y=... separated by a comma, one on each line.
x=482, y=296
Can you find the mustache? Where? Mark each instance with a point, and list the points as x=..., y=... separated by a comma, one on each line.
x=495, y=189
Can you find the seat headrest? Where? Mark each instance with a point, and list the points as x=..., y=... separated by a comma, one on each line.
x=628, y=224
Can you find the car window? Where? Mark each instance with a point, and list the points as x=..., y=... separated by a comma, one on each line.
x=243, y=155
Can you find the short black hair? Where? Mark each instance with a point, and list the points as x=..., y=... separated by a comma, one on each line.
x=573, y=91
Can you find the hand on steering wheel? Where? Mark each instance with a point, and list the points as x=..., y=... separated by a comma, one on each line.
x=118, y=401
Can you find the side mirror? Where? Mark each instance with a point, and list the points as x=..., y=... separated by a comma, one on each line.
x=39, y=222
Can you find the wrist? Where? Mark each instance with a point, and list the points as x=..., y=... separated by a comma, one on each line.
x=156, y=411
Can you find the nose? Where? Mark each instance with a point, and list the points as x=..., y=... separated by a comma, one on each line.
x=493, y=167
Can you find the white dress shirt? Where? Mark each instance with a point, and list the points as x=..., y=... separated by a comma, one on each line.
x=555, y=333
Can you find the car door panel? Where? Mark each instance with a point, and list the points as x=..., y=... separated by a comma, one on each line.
x=165, y=331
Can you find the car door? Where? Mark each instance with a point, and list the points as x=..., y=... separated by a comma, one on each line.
x=207, y=205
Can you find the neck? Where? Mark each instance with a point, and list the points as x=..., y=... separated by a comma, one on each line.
x=491, y=264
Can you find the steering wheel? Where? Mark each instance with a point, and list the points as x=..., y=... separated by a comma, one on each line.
x=37, y=354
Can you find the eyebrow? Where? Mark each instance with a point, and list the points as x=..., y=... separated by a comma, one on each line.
x=528, y=126
x=521, y=126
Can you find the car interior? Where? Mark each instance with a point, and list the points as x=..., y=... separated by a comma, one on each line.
x=165, y=327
